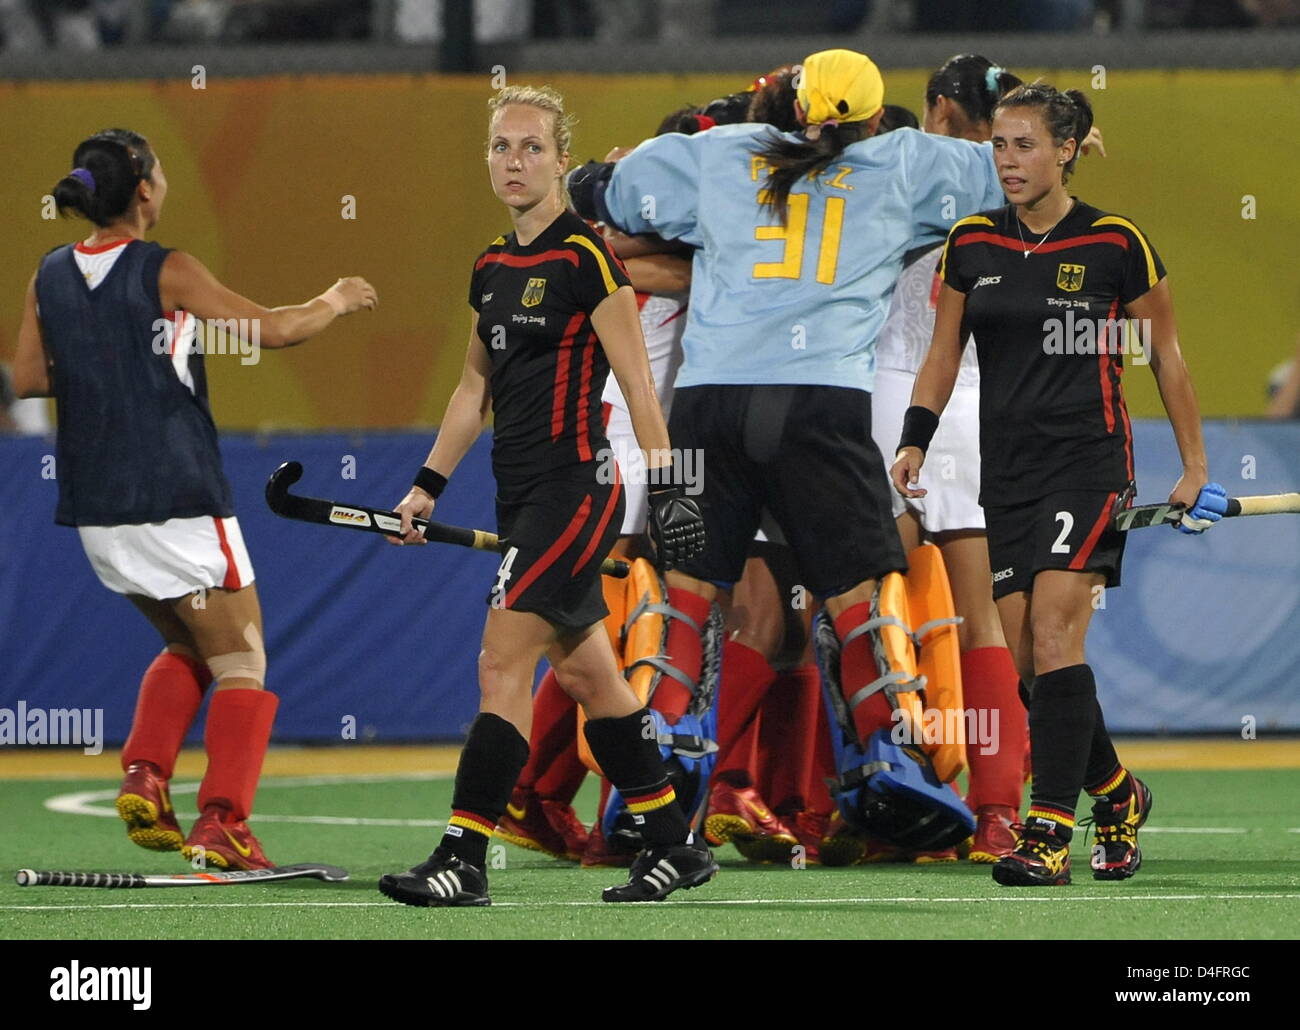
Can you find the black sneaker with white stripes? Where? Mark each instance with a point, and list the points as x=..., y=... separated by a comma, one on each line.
x=442, y=880
x=657, y=872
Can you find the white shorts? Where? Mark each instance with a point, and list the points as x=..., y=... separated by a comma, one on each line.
x=951, y=475
x=169, y=559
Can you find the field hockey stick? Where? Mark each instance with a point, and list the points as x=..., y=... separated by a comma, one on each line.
x=1159, y=514
x=376, y=520
x=35, y=878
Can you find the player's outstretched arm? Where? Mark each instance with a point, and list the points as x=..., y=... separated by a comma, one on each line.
x=462, y=422
x=1154, y=313
x=31, y=364
x=930, y=395
x=186, y=284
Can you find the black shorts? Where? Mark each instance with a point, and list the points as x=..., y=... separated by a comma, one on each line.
x=804, y=453
x=555, y=532
x=1067, y=530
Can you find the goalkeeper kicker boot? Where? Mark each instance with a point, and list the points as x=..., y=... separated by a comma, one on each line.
x=146, y=807
x=659, y=871
x=1039, y=859
x=1115, y=851
x=219, y=840
x=442, y=880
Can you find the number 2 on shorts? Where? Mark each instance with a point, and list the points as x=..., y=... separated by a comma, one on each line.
x=1067, y=524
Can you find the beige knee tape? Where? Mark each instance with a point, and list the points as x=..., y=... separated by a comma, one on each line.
x=250, y=664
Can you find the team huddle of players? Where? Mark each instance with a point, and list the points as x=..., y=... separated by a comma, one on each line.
x=751, y=746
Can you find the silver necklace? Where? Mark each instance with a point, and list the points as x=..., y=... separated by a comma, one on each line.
x=1025, y=254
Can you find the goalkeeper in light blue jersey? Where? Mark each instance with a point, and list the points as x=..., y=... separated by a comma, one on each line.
x=800, y=238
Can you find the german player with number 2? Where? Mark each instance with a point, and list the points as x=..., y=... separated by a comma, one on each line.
x=553, y=314
x=1057, y=452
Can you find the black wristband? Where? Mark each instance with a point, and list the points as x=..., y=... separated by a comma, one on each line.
x=432, y=483
x=919, y=425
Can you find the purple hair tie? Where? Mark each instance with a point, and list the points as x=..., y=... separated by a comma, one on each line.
x=83, y=176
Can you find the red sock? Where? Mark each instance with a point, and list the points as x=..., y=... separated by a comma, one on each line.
x=744, y=765
x=858, y=668
x=170, y=695
x=746, y=679
x=238, y=730
x=684, y=650
x=555, y=728
x=561, y=781
x=989, y=681
x=780, y=744
x=818, y=752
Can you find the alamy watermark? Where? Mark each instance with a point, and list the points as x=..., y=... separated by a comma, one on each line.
x=976, y=726
x=212, y=336
x=1091, y=336
x=676, y=467
x=23, y=726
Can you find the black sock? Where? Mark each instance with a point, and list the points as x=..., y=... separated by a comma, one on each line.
x=631, y=761
x=494, y=756
x=1061, y=717
x=1106, y=780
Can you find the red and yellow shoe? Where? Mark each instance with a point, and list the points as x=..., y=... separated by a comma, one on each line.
x=841, y=844
x=599, y=852
x=740, y=814
x=219, y=841
x=529, y=822
x=809, y=827
x=934, y=857
x=994, y=837
x=146, y=807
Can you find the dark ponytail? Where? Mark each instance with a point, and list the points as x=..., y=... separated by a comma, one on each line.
x=973, y=82
x=1067, y=115
x=792, y=160
x=108, y=166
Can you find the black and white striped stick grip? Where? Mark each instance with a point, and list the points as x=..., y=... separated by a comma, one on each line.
x=38, y=878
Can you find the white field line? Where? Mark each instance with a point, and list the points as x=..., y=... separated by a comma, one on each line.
x=86, y=802
x=1019, y=899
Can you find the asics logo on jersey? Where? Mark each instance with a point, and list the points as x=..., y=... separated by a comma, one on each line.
x=986, y=280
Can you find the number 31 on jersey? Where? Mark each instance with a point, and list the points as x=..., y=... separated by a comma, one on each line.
x=792, y=235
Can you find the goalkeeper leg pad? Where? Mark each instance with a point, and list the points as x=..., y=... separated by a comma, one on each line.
x=882, y=788
x=938, y=656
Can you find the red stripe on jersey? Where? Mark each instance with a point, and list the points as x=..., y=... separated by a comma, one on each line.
x=1103, y=372
x=1021, y=247
x=561, y=393
x=81, y=248
x=553, y=552
x=231, y=582
x=584, y=396
x=1085, y=552
x=527, y=261
x=596, y=533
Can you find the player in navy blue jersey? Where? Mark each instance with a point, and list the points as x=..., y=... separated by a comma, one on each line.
x=1042, y=284
x=553, y=313
x=111, y=330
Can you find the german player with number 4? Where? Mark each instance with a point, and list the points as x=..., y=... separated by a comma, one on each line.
x=1057, y=452
x=553, y=314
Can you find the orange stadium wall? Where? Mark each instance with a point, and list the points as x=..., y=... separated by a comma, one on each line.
x=259, y=171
